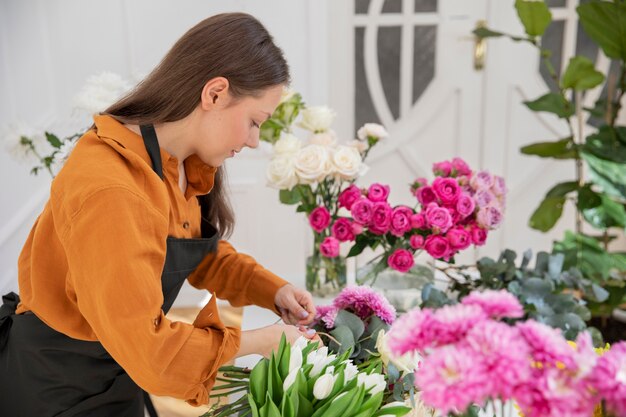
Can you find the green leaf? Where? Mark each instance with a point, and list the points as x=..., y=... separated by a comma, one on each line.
x=253, y=406
x=360, y=244
x=610, y=176
x=570, y=323
x=345, y=339
x=258, y=382
x=562, y=189
x=552, y=103
x=535, y=16
x=283, y=357
x=53, y=140
x=398, y=411
x=269, y=409
x=487, y=33
x=547, y=214
x=605, y=23
x=274, y=381
x=288, y=408
x=561, y=149
x=290, y=196
x=581, y=75
x=584, y=253
x=600, y=210
x=608, y=143
x=353, y=322
x=305, y=408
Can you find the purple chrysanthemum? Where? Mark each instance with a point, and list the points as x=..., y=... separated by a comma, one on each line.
x=412, y=331
x=451, y=323
x=496, y=304
x=326, y=315
x=609, y=378
x=547, y=346
x=365, y=302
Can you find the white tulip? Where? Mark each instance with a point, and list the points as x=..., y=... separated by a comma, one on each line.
x=374, y=383
x=312, y=163
x=347, y=162
x=372, y=130
x=317, y=119
x=301, y=342
x=325, y=139
x=350, y=371
x=324, y=386
x=287, y=145
x=319, y=359
x=295, y=358
x=281, y=173
x=291, y=378
x=406, y=363
x=100, y=91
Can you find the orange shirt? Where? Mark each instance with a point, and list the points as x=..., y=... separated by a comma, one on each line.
x=91, y=266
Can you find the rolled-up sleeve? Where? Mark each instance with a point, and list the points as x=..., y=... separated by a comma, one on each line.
x=115, y=245
x=237, y=277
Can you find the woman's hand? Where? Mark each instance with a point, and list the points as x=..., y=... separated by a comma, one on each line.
x=295, y=305
x=266, y=339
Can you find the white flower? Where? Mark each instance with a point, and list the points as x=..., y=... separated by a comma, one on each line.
x=281, y=173
x=288, y=144
x=291, y=378
x=100, y=91
x=301, y=342
x=359, y=145
x=317, y=119
x=319, y=359
x=346, y=162
x=63, y=153
x=328, y=138
x=312, y=163
x=287, y=94
x=374, y=383
x=13, y=137
x=372, y=130
x=295, y=358
x=406, y=363
x=324, y=386
x=350, y=371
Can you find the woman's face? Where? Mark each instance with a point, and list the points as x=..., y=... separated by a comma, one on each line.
x=227, y=125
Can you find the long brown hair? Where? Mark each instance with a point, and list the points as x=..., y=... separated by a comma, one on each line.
x=231, y=45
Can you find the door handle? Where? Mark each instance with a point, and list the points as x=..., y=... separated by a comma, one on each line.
x=480, y=47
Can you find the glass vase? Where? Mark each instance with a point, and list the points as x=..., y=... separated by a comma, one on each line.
x=325, y=277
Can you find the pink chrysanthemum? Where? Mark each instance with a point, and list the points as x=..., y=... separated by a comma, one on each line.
x=547, y=346
x=497, y=304
x=451, y=323
x=326, y=315
x=365, y=302
x=452, y=378
x=609, y=378
x=413, y=331
x=505, y=354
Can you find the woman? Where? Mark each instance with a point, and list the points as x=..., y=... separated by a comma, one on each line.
x=139, y=207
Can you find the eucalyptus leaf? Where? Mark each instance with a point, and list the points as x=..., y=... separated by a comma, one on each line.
x=353, y=322
x=535, y=16
x=345, y=339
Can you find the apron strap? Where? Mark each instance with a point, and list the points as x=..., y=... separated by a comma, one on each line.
x=152, y=146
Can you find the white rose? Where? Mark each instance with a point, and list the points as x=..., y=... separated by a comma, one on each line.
x=346, y=162
x=324, y=386
x=281, y=173
x=312, y=163
x=325, y=139
x=372, y=129
x=406, y=363
x=288, y=144
x=359, y=145
x=317, y=119
x=100, y=91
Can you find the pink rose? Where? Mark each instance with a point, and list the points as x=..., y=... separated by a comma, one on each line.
x=362, y=211
x=418, y=221
x=378, y=192
x=483, y=198
x=499, y=186
x=438, y=218
x=319, y=219
x=357, y=228
x=330, y=247
x=479, y=236
x=447, y=189
x=489, y=217
x=437, y=246
x=349, y=196
x=459, y=238
x=417, y=241
x=443, y=168
x=465, y=205
x=401, y=260
x=381, y=218
x=401, y=220
x=461, y=167
x=425, y=195
x=482, y=180
x=342, y=230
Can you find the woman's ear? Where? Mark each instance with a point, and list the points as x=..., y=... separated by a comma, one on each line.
x=214, y=93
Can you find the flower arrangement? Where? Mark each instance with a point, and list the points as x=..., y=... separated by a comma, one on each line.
x=49, y=151
x=473, y=356
x=313, y=174
x=459, y=208
x=305, y=380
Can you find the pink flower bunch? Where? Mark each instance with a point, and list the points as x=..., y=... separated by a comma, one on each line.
x=362, y=300
x=470, y=357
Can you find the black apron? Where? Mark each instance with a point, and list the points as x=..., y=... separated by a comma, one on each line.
x=46, y=373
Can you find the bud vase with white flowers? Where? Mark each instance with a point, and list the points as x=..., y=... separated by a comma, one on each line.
x=313, y=174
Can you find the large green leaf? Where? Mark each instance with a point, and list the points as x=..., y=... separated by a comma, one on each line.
x=290, y=196
x=354, y=323
x=610, y=176
x=586, y=254
x=535, y=16
x=552, y=103
x=608, y=143
x=600, y=210
x=344, y=339
x=605, y=23
x=581, y=75
x=547, y=214
x=560, y=149
x=258, y=382
x=562, y=189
